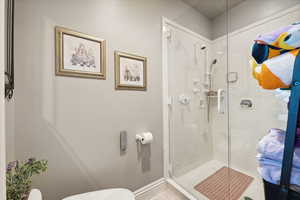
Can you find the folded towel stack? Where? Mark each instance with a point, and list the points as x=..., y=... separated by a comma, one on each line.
x=270, y=153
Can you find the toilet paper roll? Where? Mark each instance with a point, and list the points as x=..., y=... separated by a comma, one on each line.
x=146, y=138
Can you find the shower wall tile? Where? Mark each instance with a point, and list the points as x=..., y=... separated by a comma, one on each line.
x=246, y=127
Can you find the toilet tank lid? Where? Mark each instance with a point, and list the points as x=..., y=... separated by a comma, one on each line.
x=109, y=194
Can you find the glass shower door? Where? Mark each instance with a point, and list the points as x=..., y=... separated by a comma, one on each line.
x=189, y=111
x=197, y=102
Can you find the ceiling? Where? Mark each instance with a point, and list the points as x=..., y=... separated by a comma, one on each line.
x=212, y=8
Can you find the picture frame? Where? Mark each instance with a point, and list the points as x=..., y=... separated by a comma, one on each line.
x=130, y=72
x=79, y=55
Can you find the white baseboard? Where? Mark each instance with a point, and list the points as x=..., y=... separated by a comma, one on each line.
x=180, y=189
x=149, y=187
x=159, y=185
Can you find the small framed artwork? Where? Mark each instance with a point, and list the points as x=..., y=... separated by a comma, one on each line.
x=79, y=54
x=130, y=71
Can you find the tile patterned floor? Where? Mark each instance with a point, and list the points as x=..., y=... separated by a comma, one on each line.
x=163, y=192
x=167, y=194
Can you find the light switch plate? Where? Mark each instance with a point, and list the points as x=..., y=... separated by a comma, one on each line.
x=123, y=141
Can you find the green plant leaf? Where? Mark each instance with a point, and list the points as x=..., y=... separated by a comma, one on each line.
x=19, y=174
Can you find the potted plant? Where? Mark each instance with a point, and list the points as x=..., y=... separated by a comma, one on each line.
x=19, y=175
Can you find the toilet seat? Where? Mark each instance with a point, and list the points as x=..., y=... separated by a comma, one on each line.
x=109, y=194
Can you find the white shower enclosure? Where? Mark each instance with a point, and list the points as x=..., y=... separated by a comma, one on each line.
x=205, y=131
x=189, y=105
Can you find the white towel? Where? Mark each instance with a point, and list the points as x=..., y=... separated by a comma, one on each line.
x=270, y=152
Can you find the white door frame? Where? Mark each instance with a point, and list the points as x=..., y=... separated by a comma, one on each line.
x=2, y=128
x=166, y=37
x=165, y=97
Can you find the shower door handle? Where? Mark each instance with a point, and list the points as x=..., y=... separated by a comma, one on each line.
x=220, y=98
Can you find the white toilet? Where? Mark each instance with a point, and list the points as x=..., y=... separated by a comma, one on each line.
x=109, y=194
x=35, y=194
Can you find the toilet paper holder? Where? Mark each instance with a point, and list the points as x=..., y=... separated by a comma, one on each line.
x=139, y=138
x=144, y=138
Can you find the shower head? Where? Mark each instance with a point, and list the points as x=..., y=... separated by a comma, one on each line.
x=203, y=47
x=211, y=66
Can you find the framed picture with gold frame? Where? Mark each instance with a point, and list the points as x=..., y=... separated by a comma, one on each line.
x=79, y=54
x=130, y=72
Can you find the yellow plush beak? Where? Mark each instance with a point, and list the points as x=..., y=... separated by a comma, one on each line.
x=281, y=41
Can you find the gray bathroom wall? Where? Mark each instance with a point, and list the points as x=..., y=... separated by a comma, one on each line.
x=249, y=12
x=75, y=122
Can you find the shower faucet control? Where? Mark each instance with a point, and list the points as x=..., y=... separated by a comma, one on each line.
x=220, y=96
x=184, y=100
x=246, y=104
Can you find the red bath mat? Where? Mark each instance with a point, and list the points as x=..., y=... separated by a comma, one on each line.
x=225, y=184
